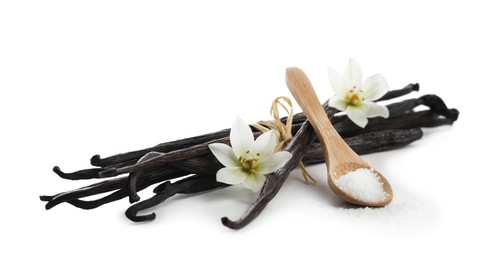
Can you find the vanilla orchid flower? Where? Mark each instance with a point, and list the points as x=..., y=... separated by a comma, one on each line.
x=248, y=161
x=355, y=97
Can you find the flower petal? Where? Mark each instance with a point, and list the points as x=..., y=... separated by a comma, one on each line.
x=254, y=182
x=374, y=87
x=241, y=137
x=273, y=162
x=374, y=110
x=338, y=103
x=224, y=154
x=265, y=144
x=352, y=75
x=231, y=175
x=358, y=115
x=337, y=82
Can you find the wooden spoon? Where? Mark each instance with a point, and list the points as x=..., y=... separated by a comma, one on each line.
x=339, y=157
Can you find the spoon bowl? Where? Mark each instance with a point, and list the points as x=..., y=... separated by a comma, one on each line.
x=339, y=157
x=341, y=169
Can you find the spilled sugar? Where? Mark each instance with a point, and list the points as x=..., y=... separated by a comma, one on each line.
x=407, y=210
x=362, y=184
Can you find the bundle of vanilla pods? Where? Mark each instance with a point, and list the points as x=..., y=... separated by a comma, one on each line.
x=187, y=166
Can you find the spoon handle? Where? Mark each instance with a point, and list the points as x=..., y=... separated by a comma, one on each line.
x=302, y=90
x=305, y=95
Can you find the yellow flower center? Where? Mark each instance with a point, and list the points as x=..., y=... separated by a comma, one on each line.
x=249, y=163
x=354, y=98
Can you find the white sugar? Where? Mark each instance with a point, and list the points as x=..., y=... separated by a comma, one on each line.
x=362, y=184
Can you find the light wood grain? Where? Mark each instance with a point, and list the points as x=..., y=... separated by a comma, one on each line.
x=339, y=157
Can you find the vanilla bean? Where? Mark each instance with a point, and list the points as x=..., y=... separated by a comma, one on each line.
x=119, y=184
x=91, y=204
x=85, y=174
x=86, y=191
x=78, y=175
x=189, y=185
x=191, y=160
x=366, y=143
x=400, y=92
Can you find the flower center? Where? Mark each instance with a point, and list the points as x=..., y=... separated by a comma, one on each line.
x=249, y=163
x=354, y=98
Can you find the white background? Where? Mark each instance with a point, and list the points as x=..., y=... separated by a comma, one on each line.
x=84, y=77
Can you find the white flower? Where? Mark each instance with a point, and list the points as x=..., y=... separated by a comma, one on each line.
x=355, y=97
x=248, y=161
